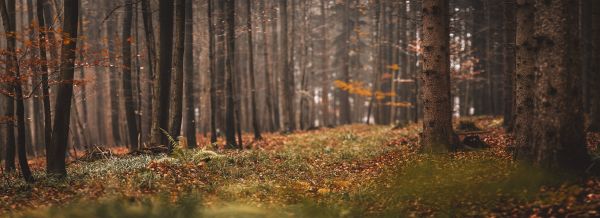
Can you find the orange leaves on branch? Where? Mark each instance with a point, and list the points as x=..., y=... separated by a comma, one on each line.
x=358, y=88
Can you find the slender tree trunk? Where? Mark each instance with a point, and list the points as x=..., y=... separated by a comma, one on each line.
x=559, y=136
x=594, y=75
x=230, y=124
x=509, y=63
x=255, y=117
x=44, y=73
x=8, y=23
x=213, y=77
x=152, y=62
x=176, y=97
x=127, y=79
x=525, y=78
x=56, y=162
x=287, y=73
x=160, y=118
x=268, y=79
x=188, y=64
x=438, y=136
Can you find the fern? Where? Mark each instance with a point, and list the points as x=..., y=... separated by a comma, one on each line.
x=172, y=141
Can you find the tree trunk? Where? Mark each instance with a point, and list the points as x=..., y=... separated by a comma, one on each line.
x=255, y=117
x=438, y=136
x=268, y=80
x=559, y=137
x=152, y=62
x=162, y=83
x=509, y=63
x=230, y=125
x=56, y=162
x=176, y=97
x=188, y=64
x=130, y=108
x=213, y=77
x=594, y=75
x=287, y=77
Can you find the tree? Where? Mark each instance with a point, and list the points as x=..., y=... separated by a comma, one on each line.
x=525, y=78
x=594, y=76
x=230, y=124
x=127, y=81
x=176, y=98
x=212, y=73
x=190, y=128
x=255, y=117
x=111, y=35
x=151, y=51
x=438, y=136
x=287, y=75
x=9, y=22
x=509, y=63
x=55, y=160
x=162, y=83
x=559, y=137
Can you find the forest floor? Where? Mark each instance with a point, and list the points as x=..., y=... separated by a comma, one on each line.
x=350, y=171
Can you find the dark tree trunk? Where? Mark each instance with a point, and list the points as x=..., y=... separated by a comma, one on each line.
x=56, y=162
x=44, y=73
x=267, y=62
x=213, y=77
x=151, y=50
x=190, y=127
x=287, y=77
x=176, y=97
x=594, y=75
x=559, y=137
x=509, y=63
x=255, y=117
x=525, y=78
x=160, y=116
x=130, y=107
x=438, y=136
x=230, y=121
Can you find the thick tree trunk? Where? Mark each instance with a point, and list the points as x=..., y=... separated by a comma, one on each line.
x=188, y=64
x=267, y=63
x=56, y=162
x=559, y=137
x=176, y=97
x=130, y=107
x=160, y=116
x=287, y=76
x=525, y=78
x=438, y=136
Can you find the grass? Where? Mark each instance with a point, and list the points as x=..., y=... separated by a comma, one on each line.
x=351, y=171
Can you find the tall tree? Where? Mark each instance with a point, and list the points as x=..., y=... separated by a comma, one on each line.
x=130, y=107
x=287, y=74
x=230, y=121
x=509, y=62
x=212, y=73
x=151, y=51
x=55, y=161
x=438, y=136
x=176, y=98
x=8, y=11
x=255, y=117
x=190, y=127
x=559, y=137
x=111, y=35
x=525, y=78
x=594, y=75
x=160, y=118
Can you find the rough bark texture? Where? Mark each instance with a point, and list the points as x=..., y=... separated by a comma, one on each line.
x=437, y=135
x=127, y=81
x=559, y=140
x=525, y=78
x=56, y=163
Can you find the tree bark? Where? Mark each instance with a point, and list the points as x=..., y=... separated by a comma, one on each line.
x=56, y=162
x=438, y=136
x=213, y=77
x=230, y=122
x=509, y=63
x=255, y=117
x=130, y=107
x=160, y=116
x=594, y=75
x=287, y=77
x=525, y=78
x=190, y=127
x=152, y=62
x=559, y=137
x=176, y=112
